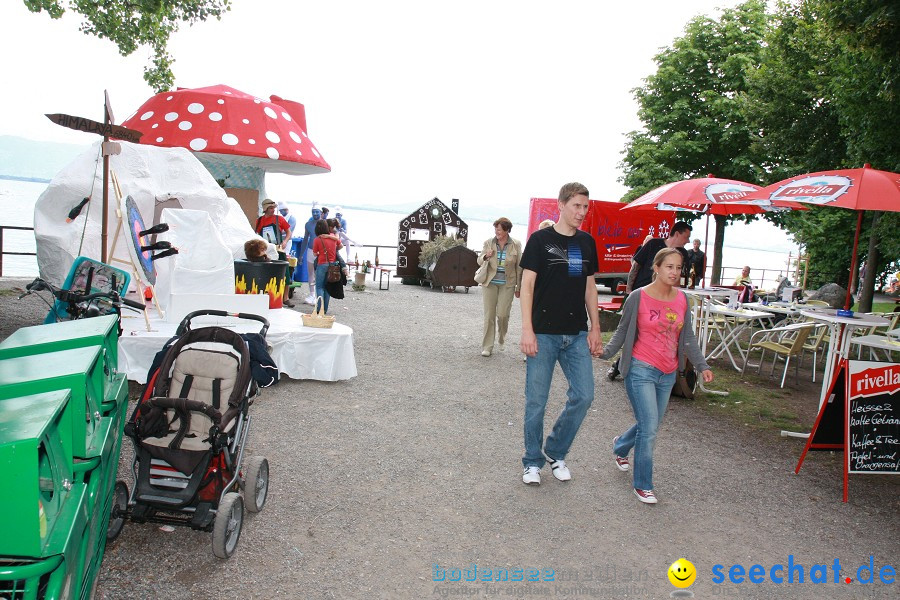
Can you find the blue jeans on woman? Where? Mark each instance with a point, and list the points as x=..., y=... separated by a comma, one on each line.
x=648, y=391
x=321, y=273
x=574, y=357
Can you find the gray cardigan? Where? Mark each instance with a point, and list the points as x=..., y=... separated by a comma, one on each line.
x=625, y=332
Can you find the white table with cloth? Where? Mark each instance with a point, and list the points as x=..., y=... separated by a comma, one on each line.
x=842, y=329
x=300, y=352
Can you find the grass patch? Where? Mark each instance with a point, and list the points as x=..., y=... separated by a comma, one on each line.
x=878, y=307
x=10, y=292
x=753, y=400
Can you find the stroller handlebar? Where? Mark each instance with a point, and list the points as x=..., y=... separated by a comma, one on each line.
x=185, y=324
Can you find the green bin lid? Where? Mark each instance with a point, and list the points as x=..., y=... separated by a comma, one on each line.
x=25, y=417
x=47, y=366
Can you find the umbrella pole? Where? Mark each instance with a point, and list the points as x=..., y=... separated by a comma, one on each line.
x=705, y=250
x=859, y=216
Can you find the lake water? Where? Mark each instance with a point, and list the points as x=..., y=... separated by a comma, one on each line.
x=761, y=245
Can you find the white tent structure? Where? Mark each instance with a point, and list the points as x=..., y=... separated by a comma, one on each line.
x=148, y=175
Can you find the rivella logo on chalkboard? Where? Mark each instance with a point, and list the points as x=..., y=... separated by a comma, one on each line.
x=873, y=429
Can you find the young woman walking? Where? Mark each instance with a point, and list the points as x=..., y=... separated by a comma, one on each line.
x=656, y=335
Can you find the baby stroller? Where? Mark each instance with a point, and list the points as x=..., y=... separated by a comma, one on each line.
x=189, y=431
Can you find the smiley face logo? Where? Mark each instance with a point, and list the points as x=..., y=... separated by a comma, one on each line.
x=682, y=573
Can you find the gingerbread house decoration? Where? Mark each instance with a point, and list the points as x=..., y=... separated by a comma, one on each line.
x=423, y=225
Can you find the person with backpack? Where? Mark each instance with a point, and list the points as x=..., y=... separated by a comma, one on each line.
x=275, y=230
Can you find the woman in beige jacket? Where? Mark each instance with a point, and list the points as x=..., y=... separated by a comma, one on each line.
x=504, y=274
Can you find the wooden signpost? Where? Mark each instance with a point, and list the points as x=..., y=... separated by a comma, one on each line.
x=861, y=416
x=106, y=129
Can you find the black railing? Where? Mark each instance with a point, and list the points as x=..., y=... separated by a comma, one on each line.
x=4, y=252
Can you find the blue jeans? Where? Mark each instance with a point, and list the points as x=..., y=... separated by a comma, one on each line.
x=321, y=273
x=574, y=357
x=648, y=391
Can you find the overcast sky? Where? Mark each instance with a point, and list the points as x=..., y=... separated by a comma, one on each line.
x=492, y=102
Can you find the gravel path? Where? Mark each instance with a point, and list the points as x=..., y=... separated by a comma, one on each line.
x=416, y=463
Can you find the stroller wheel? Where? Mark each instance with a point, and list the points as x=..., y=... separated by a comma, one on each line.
x=227, y=526
x=117, y=511
x=256, y=484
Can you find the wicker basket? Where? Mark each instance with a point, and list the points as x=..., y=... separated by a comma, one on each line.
x=318, y=318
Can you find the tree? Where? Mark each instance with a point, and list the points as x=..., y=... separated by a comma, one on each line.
x=131, y=24
x=693, y=112
x=825, y=97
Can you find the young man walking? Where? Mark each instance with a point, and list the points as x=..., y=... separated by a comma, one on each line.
x=558, y=297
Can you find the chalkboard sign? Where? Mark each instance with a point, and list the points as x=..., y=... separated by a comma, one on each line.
x=873, y=424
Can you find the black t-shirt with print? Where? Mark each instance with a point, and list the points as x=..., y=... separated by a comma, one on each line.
x=562, y=263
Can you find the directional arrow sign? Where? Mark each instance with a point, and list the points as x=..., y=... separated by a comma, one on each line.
x=82, y=124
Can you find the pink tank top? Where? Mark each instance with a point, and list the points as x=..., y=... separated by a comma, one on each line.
x=659, y=324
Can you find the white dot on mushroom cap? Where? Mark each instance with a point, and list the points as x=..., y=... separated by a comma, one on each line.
x=245, y=121
x=169, y=98
x=159, y=139
x=221, y=101
x=154, y=126
x=314, y=151
x=272, y=137
x=197, y=144
x=272, y=153
x=214, y=116
x=184, y=125
x=195, y=108
x=171, y=116
x=270, y=113
x=146, y=115
x=299, y=153
x=257, y=101
x=252, y=141
x=230, y=139
x=286, y=116
x=295, y=137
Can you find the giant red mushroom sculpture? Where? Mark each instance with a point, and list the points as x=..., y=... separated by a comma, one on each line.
x=237, y=136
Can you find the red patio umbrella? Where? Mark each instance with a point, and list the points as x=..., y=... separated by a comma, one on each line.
x=857, y=189
x=708, y=195
x=699, y=195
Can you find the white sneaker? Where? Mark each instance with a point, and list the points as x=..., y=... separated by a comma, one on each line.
x=558, y=468
x=311, y=300
x=531, y=475
x=485, y=352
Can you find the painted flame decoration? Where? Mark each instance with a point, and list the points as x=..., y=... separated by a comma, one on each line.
x=274, y=288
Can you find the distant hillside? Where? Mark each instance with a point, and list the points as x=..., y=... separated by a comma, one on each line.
x=29, y=159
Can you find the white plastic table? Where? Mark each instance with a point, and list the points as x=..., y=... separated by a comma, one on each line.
x=883, y=342
x=701, y=321
x=743, y=318
x=790, y=311
x=842, y=329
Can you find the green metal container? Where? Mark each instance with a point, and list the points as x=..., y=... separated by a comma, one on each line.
x=84, y=371
x=98, y=331
x=37, y=465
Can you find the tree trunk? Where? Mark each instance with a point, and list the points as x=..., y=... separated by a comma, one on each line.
x=866, y=287
x=716, y=277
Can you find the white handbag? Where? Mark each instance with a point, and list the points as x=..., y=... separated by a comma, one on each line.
x=481, y=274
